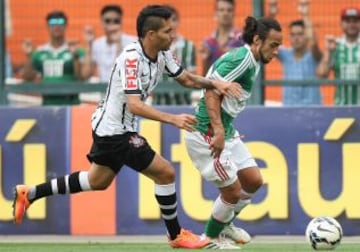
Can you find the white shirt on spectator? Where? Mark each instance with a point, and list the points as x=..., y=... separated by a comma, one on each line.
x=104, y=54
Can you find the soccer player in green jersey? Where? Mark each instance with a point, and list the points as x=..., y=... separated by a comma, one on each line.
x=342, y=56
x=216, y=148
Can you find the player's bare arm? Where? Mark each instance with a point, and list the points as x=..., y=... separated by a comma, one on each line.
x=230, y=89
x=139, y=108
x=213, y=106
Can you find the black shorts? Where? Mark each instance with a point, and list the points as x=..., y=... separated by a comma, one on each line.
x=129, y=149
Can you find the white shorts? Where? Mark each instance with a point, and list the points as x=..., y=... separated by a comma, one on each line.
x=222, y=171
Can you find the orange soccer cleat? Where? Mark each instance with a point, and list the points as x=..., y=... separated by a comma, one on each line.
x=189, y=240
x=21, y=203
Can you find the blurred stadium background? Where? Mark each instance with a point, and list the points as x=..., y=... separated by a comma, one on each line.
x=309, y=138
x=25, y=19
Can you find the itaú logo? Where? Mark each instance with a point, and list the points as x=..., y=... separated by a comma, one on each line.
x=34, y=167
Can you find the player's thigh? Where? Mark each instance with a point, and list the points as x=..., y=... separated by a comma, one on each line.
x=197, y=146
x=221, y=171
x=248, y=171
x=240, y=154
x=109, y=151
x=100, y=176
x=160, y=170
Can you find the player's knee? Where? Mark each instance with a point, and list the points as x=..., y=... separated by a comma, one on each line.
x=99, y=184
x=167, y=175
x=231, y=194
x=254, y=184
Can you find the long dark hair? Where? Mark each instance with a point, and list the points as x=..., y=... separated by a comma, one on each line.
x=260, y=27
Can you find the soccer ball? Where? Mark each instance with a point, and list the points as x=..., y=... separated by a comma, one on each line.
x=323, y=233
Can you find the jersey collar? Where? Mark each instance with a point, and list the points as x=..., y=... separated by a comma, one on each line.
x=146, y=56
x=251, y=54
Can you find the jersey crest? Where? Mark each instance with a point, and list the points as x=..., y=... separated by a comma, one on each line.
x=136, y=141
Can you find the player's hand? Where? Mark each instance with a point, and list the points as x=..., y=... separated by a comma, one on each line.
x=217, y=143
x=330, y=43
x=27, y=46
x=185, y=121
x=229, y=89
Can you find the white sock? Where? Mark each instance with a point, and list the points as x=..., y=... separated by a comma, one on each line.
x=223, y=211
x=84, y=181
x=243, y=202
x=240, y=205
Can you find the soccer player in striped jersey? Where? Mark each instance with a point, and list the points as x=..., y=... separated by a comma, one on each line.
x=114, y=124
x=216, y=148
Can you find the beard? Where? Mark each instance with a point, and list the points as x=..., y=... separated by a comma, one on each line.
x=263, y=59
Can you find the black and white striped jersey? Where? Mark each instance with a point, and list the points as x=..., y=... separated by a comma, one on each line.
x=133, y=73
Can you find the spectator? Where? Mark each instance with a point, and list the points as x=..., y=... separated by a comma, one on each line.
x=184, y=50
x=342, y=56
x=57, y=61
x=300, y=61
x=224, y=37
x=104, y=50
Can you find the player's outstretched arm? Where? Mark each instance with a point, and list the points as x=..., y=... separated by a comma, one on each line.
x=139, y=108
x=188, y=79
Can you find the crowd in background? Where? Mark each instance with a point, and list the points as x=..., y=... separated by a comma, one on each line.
x=60, y=60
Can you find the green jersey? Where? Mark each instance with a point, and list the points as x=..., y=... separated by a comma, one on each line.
x=345, y=61
x=237, y=65
x=56, y=65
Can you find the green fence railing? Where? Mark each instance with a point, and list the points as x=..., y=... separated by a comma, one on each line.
x=163, y=88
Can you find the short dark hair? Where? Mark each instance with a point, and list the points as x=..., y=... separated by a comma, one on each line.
x=259, y=27
x=297, y=23
x=111, y=7
x=150, y=18
x=56, y=14
x=173, y=10
x=232, y=2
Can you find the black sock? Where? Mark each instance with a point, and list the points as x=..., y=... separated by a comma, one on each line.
x=61, y=185
x=168, y=207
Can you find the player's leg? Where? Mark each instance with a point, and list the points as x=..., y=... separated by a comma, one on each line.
x=98, y=177
x=161, y=172
x=143, y=159
x=223, y=210
x=222, y=173
x=250, y=180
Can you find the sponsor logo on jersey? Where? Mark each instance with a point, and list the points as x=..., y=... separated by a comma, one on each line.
x=131, y=73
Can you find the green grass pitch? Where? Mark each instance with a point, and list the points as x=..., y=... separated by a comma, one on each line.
x=152, y=247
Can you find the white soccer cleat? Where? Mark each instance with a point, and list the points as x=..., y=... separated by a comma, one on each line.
x=221, y=243
x=238, y=235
